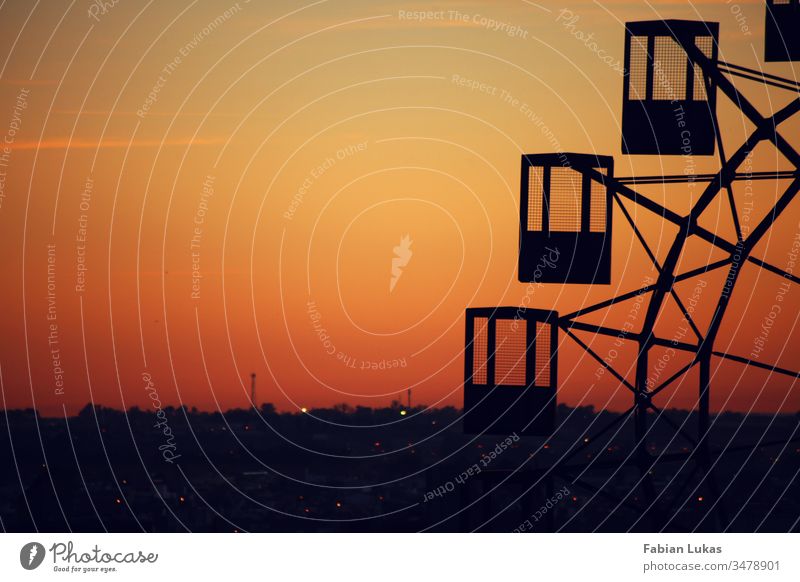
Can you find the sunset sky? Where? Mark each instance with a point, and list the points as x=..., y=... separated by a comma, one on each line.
x=211, y=184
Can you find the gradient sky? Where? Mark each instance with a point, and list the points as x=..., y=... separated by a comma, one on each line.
x=303, y=141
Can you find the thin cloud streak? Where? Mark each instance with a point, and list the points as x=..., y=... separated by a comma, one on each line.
x=57, y=144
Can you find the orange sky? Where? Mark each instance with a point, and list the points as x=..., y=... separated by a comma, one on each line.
x=297, y=144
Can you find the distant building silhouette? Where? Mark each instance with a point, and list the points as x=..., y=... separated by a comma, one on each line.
x=103, y=471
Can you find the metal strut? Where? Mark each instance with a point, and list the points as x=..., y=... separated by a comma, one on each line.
x=739, y=253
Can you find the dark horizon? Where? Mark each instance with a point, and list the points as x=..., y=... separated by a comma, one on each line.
x=144, y=470
x=395, y=405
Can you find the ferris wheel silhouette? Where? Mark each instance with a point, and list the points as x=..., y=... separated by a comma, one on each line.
x=674, y=75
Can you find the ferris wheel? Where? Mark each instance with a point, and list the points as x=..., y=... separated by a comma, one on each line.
x=674, y=78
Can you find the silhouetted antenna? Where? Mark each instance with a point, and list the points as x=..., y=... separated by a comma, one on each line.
x=409, y=398
x=253, y=390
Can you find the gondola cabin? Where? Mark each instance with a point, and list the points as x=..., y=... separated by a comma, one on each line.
x=565, y=219
x=781, y=38
x=510, y=371
x=668, y=103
